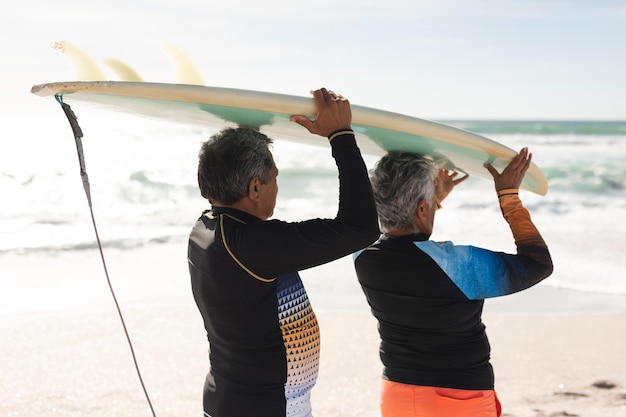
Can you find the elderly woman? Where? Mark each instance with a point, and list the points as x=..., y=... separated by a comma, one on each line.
x=428, y=296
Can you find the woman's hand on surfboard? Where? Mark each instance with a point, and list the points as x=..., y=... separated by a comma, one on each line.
x=446, y=181
x=333, y=114
x=512, y=176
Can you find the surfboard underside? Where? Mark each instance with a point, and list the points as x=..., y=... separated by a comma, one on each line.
x=376, y=131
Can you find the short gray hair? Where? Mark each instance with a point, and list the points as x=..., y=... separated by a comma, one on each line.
x=400, y=181
x=229, y=160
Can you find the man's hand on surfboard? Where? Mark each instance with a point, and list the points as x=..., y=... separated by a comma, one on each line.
x=333, y=114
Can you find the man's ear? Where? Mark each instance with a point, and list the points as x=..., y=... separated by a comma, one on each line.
x=253, y=188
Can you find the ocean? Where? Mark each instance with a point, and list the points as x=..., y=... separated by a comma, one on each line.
x=143, y=183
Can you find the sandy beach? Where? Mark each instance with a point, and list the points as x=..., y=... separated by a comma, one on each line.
x=555, y=352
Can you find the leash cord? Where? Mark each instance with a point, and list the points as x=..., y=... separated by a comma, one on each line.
x=78, y=134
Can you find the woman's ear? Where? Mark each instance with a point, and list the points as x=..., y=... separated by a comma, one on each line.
x=421, y=210
x=424, y=216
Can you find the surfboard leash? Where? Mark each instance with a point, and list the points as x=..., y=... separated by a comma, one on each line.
x=78, y=134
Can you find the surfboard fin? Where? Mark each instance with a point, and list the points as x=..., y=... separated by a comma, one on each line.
x=184, y=68
x=85, y=68
x=124, y=71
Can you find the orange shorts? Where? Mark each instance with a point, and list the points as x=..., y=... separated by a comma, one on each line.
x=402, y=400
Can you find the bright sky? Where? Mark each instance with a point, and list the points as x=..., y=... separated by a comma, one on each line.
x=437, y=59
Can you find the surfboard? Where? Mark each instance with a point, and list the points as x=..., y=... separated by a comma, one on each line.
x=377, y=131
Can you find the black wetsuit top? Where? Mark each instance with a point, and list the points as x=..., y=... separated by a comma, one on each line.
x=262, y=332
x=428, y=298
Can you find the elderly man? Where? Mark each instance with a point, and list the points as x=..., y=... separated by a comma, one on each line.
x=262, y=332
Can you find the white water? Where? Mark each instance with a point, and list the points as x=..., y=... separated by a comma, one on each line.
x=143, y=183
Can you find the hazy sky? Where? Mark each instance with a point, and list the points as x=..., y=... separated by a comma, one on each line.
x=437, y=59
